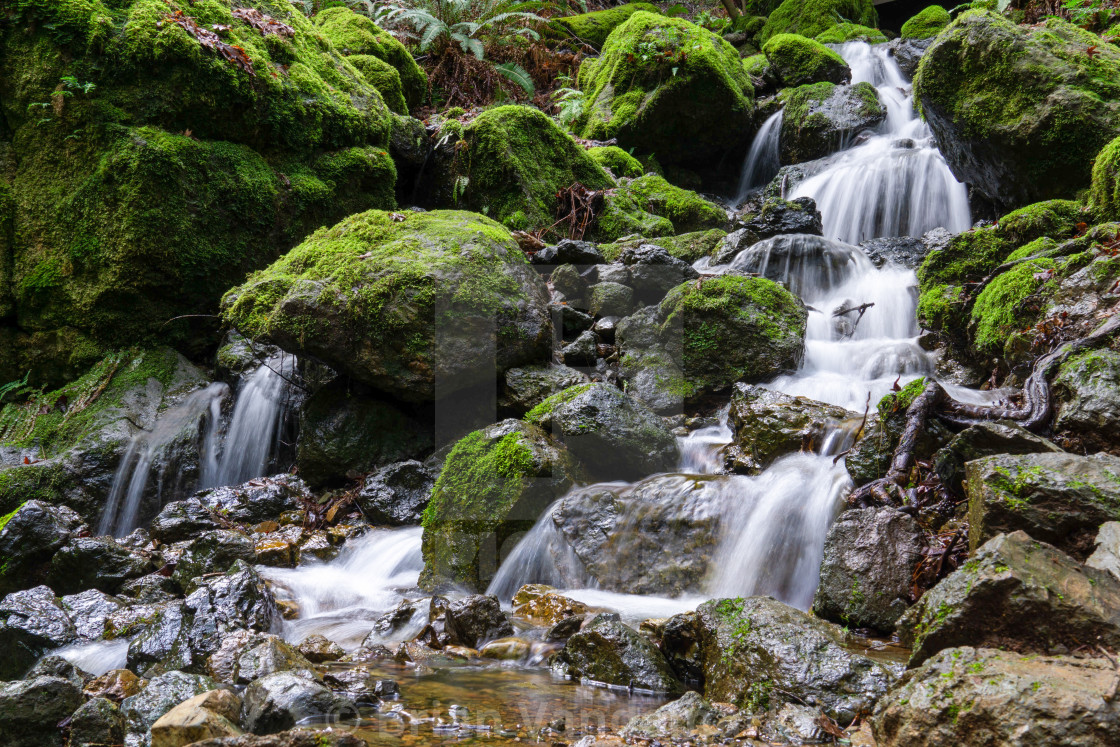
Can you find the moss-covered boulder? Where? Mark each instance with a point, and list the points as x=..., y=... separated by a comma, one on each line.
x=822, y=118
x=1020, y=112
x=513, y=160
x=146, y=173
x=797, y=60
x=812, y=17
x=659, y=85
x=652, y=207
x=494, y=485
x=401, y=301
x=1105, y=192
x=688, y=247
x=595, y=27
x=617, y=160
x=926, y=24
x=377, y=54
x=846, y=32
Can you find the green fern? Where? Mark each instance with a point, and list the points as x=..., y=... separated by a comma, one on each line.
x=516, y=74
x=437, y=24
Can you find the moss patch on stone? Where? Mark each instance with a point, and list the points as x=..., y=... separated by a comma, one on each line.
x=617, y=160
x=928, y=23
x=846, y=32
x=595, y=27
x=997, y=312
x=1105, y=191
x=812, y=17
x=797, y=60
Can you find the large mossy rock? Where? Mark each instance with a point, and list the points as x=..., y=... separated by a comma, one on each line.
x=1058, y=498
x=1015, y=593
x=1105, y=191
x=812, y=17
x=926, y=24
x=408, y=303
x=596, y=26
x=401, y=82
x=758, y=653
x=658, y=87
x=513, y=160
x=146, y=174
x=798, y=60
x=1019, y=112
x=494, y=485
x=976, y=697
x=652, y=207
x=822, y=118
x=611, y=434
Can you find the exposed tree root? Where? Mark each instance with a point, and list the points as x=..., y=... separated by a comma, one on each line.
x=1034, y=414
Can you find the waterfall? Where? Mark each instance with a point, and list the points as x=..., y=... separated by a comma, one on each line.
x=226, y=457
x=896, y=182
x=762, y=162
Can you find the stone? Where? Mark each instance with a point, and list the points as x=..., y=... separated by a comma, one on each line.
x=778, y=217
x=89, y=610
x=1019, y=594
x=209, y=715
x=182, y=520
x=654, y=272
x=680, y=642
x=1087, y=390
x=397, y=494
x=868, y=566
x=568, y=281
x=569, y=252
x=766, y=425
x=161, y=695
x=581, y=351
x=476, y=619
x=115, y=685
x=280, y=701
x=260, y=499
x=97, y=722
x=318, y=649
x=823, y=118
x=95, y=562
x=902, y=251
x=607, y=298
x=758, y=654
x=297, y=738
x=547, y=608
x=527, y=387
x=797, y=60
x=29, y=536
x=30, y=710
x=607, y=651
x=506, y=649
x=31, y=623
x=982, y=440
x=1106, y=557
x=676, y=720
x=980, y=696
x=1061, y=499
x=213, y=552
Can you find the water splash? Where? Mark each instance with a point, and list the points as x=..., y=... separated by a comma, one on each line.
x=762, y=162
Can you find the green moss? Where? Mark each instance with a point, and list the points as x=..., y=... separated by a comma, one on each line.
x=651, y=207
x=846, y=32
x=969, y=256
x=595, y=27
x=1057, y=219
x=1105, y=191
x=659, y=83
x=900, y=401
x=480, y=476
x=798, y=60
x=755, y=65
x=998, y=310
x=543, y=411
x=8, y=517
x=812, y=17
x=620, y=162
x=927, y=23
x=516, y=159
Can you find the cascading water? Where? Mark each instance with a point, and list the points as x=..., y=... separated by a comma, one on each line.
x=894, y=183
x=226, y=457
x=762, y=162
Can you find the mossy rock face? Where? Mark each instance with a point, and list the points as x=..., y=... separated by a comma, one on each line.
x=688, y=246
x=494, y=485
x=595, y=27
x=846, y=32
x=400, y=301
x=1105, y=193
x=512, y=162
x=358, y=38
x=821, y=118
x=926, y=24
x=812, y=17
x=797, y=60
x=1019, y=112
x=1088, y=393
x=146, y=174
x=617, y=160
x=659, y=85
x=651, y=207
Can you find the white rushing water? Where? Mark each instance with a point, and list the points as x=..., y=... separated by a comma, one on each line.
x=762, y=162
x=227, y=456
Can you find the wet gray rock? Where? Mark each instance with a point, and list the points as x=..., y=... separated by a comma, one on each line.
x=162, y=694
x=280, y=701
x=680, y=642
x=155, y=588
x=581, y=351
x=870, y=457
x=569, y=252
x=95, y=563
x=89, y=610
x=397, y=494
x=260, y=499
x=975, y=697
x=607, y=651
x=610, y=299
x=650, y=363
x=1106, y=557
x=30, y=711
x=347, y=431
x=655, y=537
x=318, y=649
x=182, y=520
x=528, y=386
x=1061, y=499
x=239, y=599
x=213, y=552
x=564, y=629
x=476, y=619
x=903, y=251
x=613, y=435
x=395, y=620
x=569, y=320
x=908, y=53
x=31, y=622
x=819, y=120
x=28, y=540
x=97, y=722
x=572, y=287
x=766, y=425
x=1015, y=593
x=776, y=217
x=867, y=568
x=982, y=440
x=162, y=635
x=759, y=654
x=265, y=654
x=732, y=244
x=654, y=272
x=1088, y=394
x=677, y=720
x=55, y=666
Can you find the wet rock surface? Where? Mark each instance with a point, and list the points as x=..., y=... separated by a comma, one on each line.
x=605, y=650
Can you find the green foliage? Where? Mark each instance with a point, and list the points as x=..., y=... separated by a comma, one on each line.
x=927, y=23
x=543, y=411
x=812, y=17
x=569, y=102
x=651, y=206
x=440, y=23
